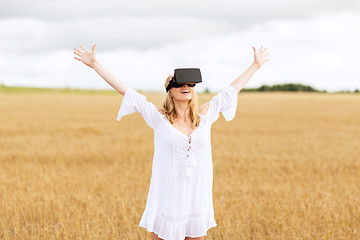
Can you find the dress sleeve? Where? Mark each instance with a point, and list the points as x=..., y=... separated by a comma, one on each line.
x=133, y=101
x=225, y=102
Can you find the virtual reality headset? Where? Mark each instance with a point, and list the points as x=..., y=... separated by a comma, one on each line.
x=182, y=76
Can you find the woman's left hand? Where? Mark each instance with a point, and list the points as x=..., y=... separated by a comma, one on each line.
x=259, y=56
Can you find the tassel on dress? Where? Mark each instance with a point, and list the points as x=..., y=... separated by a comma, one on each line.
x=189, y=163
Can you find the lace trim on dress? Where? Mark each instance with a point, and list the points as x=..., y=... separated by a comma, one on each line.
x=184, y=148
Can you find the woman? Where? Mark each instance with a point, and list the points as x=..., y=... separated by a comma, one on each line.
x=179, y=203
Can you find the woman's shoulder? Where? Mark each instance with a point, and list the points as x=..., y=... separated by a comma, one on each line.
x=160, y=109
x=204, y=108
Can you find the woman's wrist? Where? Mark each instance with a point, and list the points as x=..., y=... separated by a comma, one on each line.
x=95, y=64
x=256, y=64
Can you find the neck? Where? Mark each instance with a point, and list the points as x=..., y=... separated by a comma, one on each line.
x=180, y=107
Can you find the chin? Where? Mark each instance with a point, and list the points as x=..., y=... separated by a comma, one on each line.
x=182, y=97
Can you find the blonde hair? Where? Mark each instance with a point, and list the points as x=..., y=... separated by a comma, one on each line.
x=169, y=106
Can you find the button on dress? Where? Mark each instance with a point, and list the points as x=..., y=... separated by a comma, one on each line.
x=179, y=202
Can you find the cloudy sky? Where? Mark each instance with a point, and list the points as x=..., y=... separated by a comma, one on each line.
x=313, y=42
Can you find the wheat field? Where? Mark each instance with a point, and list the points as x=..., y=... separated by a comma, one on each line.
x=287, y=167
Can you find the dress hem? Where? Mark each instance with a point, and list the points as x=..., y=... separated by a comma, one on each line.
x=168, y=230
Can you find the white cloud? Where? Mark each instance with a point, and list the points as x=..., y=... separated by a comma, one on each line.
x=142, y=51
x=248, y=11
x=34, y=35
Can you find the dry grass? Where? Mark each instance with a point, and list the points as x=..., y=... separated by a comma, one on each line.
x=287, y=167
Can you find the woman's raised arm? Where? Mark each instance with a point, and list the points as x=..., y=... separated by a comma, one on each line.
x=259, y=60
x=89, y=59
x=240, y=82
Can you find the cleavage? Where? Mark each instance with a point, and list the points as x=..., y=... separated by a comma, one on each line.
x=184, y=128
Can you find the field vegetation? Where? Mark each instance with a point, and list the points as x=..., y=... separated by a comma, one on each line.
x=287, y=167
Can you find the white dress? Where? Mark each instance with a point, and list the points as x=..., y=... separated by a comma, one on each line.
x=179, y=201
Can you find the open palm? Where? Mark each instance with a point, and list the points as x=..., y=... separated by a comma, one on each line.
x=88, y=58
x=259, y=56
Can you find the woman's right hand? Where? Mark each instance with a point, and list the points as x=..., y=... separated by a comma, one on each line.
x=88, y=58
